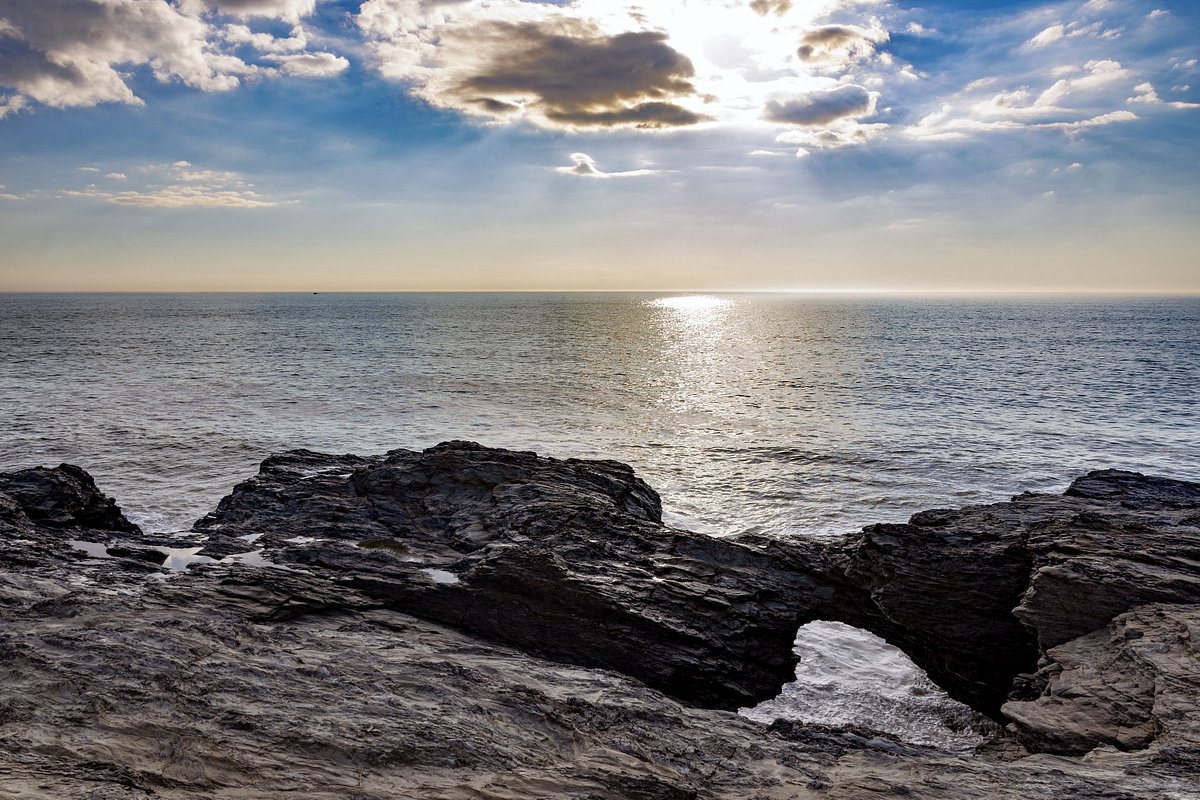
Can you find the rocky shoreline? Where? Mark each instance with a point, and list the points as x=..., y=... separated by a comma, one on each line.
x=465, y=622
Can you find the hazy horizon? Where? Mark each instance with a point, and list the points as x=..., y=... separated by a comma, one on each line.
x=833, y=293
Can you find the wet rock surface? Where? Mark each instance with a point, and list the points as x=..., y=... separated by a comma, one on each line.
x=466, y=622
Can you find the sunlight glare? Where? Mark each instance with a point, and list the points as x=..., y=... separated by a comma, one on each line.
x=691, y=303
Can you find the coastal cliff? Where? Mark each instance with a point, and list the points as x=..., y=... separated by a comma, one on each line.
x=470, y=622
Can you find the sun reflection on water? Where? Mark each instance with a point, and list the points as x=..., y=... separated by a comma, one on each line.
x=691, y=303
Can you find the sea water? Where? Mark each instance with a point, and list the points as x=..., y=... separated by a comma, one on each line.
x=790, y=415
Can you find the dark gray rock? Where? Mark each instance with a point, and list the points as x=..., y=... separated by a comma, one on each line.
x=569, y=560
x=977, y=595
x=564, y=559
x=63, y=497
x=466, y=622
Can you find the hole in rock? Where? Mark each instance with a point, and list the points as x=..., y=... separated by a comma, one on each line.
x=849, y=677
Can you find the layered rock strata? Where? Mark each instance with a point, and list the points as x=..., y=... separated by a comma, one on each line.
x=469, y=622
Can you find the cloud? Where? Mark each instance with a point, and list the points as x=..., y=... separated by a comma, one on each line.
x=1080, y=98
x=117, y=176
x=1021, y=104
x=1146, y=94
x=288, y=10
x=603, y=64
x=552, y=69
x=1048, y=36
x=843, y=135
x=181, y=185
x=11, y=105
x=1098, y=120
x=76, y=53
x=1073, y=30
x=310, y=65
x=823, y=107
x=584, y=166
x=839, y=43
x=265, y=42
x=776, y=7
x=578, y=77
x=64, y=52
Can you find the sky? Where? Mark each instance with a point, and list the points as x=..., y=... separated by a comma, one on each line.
x=683, y=145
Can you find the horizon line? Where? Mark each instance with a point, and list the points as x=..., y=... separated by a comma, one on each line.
x=686, y=291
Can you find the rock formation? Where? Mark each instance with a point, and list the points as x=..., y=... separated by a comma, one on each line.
x=470, y=622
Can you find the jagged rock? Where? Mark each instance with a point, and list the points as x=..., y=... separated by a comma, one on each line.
x=63, y=497
x=977, y=595
x=466, y=622
x=1124, y=685
x=569, y=559
x=565, y=559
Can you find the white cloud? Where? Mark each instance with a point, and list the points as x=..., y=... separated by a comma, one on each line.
x=265, y=42
x=842, y=134
x=584, y=166
x=66, y=53
x=1077, y=29
x=11, y=105
x=180, y=185
x=288, y=10
x=117, y=176
x=71, y=53
x=1049, y=35
x=310, y=65
x=1098, y=120
x=1146, y=94
x=1081, y=97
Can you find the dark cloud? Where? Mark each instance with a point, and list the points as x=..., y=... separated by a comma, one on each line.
x=822, y=108
x=493, y=106
x=643, y=115
x=834, y=40
x=578, y=77
x=765, y=7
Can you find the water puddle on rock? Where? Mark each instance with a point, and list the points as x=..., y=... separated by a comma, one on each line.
x=93, y=549
x=441, y=575
x=178, y=559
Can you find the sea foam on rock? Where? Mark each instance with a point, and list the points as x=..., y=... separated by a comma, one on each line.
x=471, y=622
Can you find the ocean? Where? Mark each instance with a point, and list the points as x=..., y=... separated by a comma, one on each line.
x=792, y=415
